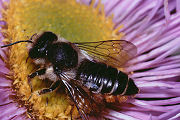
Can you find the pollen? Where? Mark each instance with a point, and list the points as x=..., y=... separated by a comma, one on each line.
x=74, y=21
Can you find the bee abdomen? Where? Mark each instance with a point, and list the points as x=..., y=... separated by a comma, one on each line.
x=100, y=78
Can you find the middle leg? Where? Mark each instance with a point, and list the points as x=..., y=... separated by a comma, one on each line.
x=53, y=86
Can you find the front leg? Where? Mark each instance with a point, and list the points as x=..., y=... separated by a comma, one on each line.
x=37, y=73
x=32, y=75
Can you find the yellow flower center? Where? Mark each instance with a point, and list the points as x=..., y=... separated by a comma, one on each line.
x=73, y=21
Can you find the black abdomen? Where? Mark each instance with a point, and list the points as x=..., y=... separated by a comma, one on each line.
x=100, y=78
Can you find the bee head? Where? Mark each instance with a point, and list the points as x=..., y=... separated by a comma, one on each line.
x=40, y=46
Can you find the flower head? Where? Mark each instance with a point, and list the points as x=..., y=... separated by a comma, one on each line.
x=153, y=26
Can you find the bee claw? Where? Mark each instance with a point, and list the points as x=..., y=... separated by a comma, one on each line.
x=36, y=93
x=29, y=97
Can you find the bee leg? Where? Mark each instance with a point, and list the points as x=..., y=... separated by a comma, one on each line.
x=53, y=86
x=32, y=75
x=27, y=59
x=35, y=34
x=71, y=112
x=47, y=101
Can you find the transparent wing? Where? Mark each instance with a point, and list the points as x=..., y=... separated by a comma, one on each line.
x=112, y=52
x=74, y=94
x=80, y=96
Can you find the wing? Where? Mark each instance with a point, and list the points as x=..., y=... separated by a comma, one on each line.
x=112, y=52
x=84, y=103
x=73, y=92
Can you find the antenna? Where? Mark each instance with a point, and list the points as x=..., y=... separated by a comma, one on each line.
x=16, y=43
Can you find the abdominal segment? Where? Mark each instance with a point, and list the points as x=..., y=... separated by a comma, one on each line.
x=103, y=79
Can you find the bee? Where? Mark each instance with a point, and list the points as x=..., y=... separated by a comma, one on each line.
x=86, y=69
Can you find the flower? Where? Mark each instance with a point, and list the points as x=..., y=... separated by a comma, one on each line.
x=9, y=108
x=153, y=26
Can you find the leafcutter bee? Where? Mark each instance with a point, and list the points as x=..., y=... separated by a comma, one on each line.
x=86, y=69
